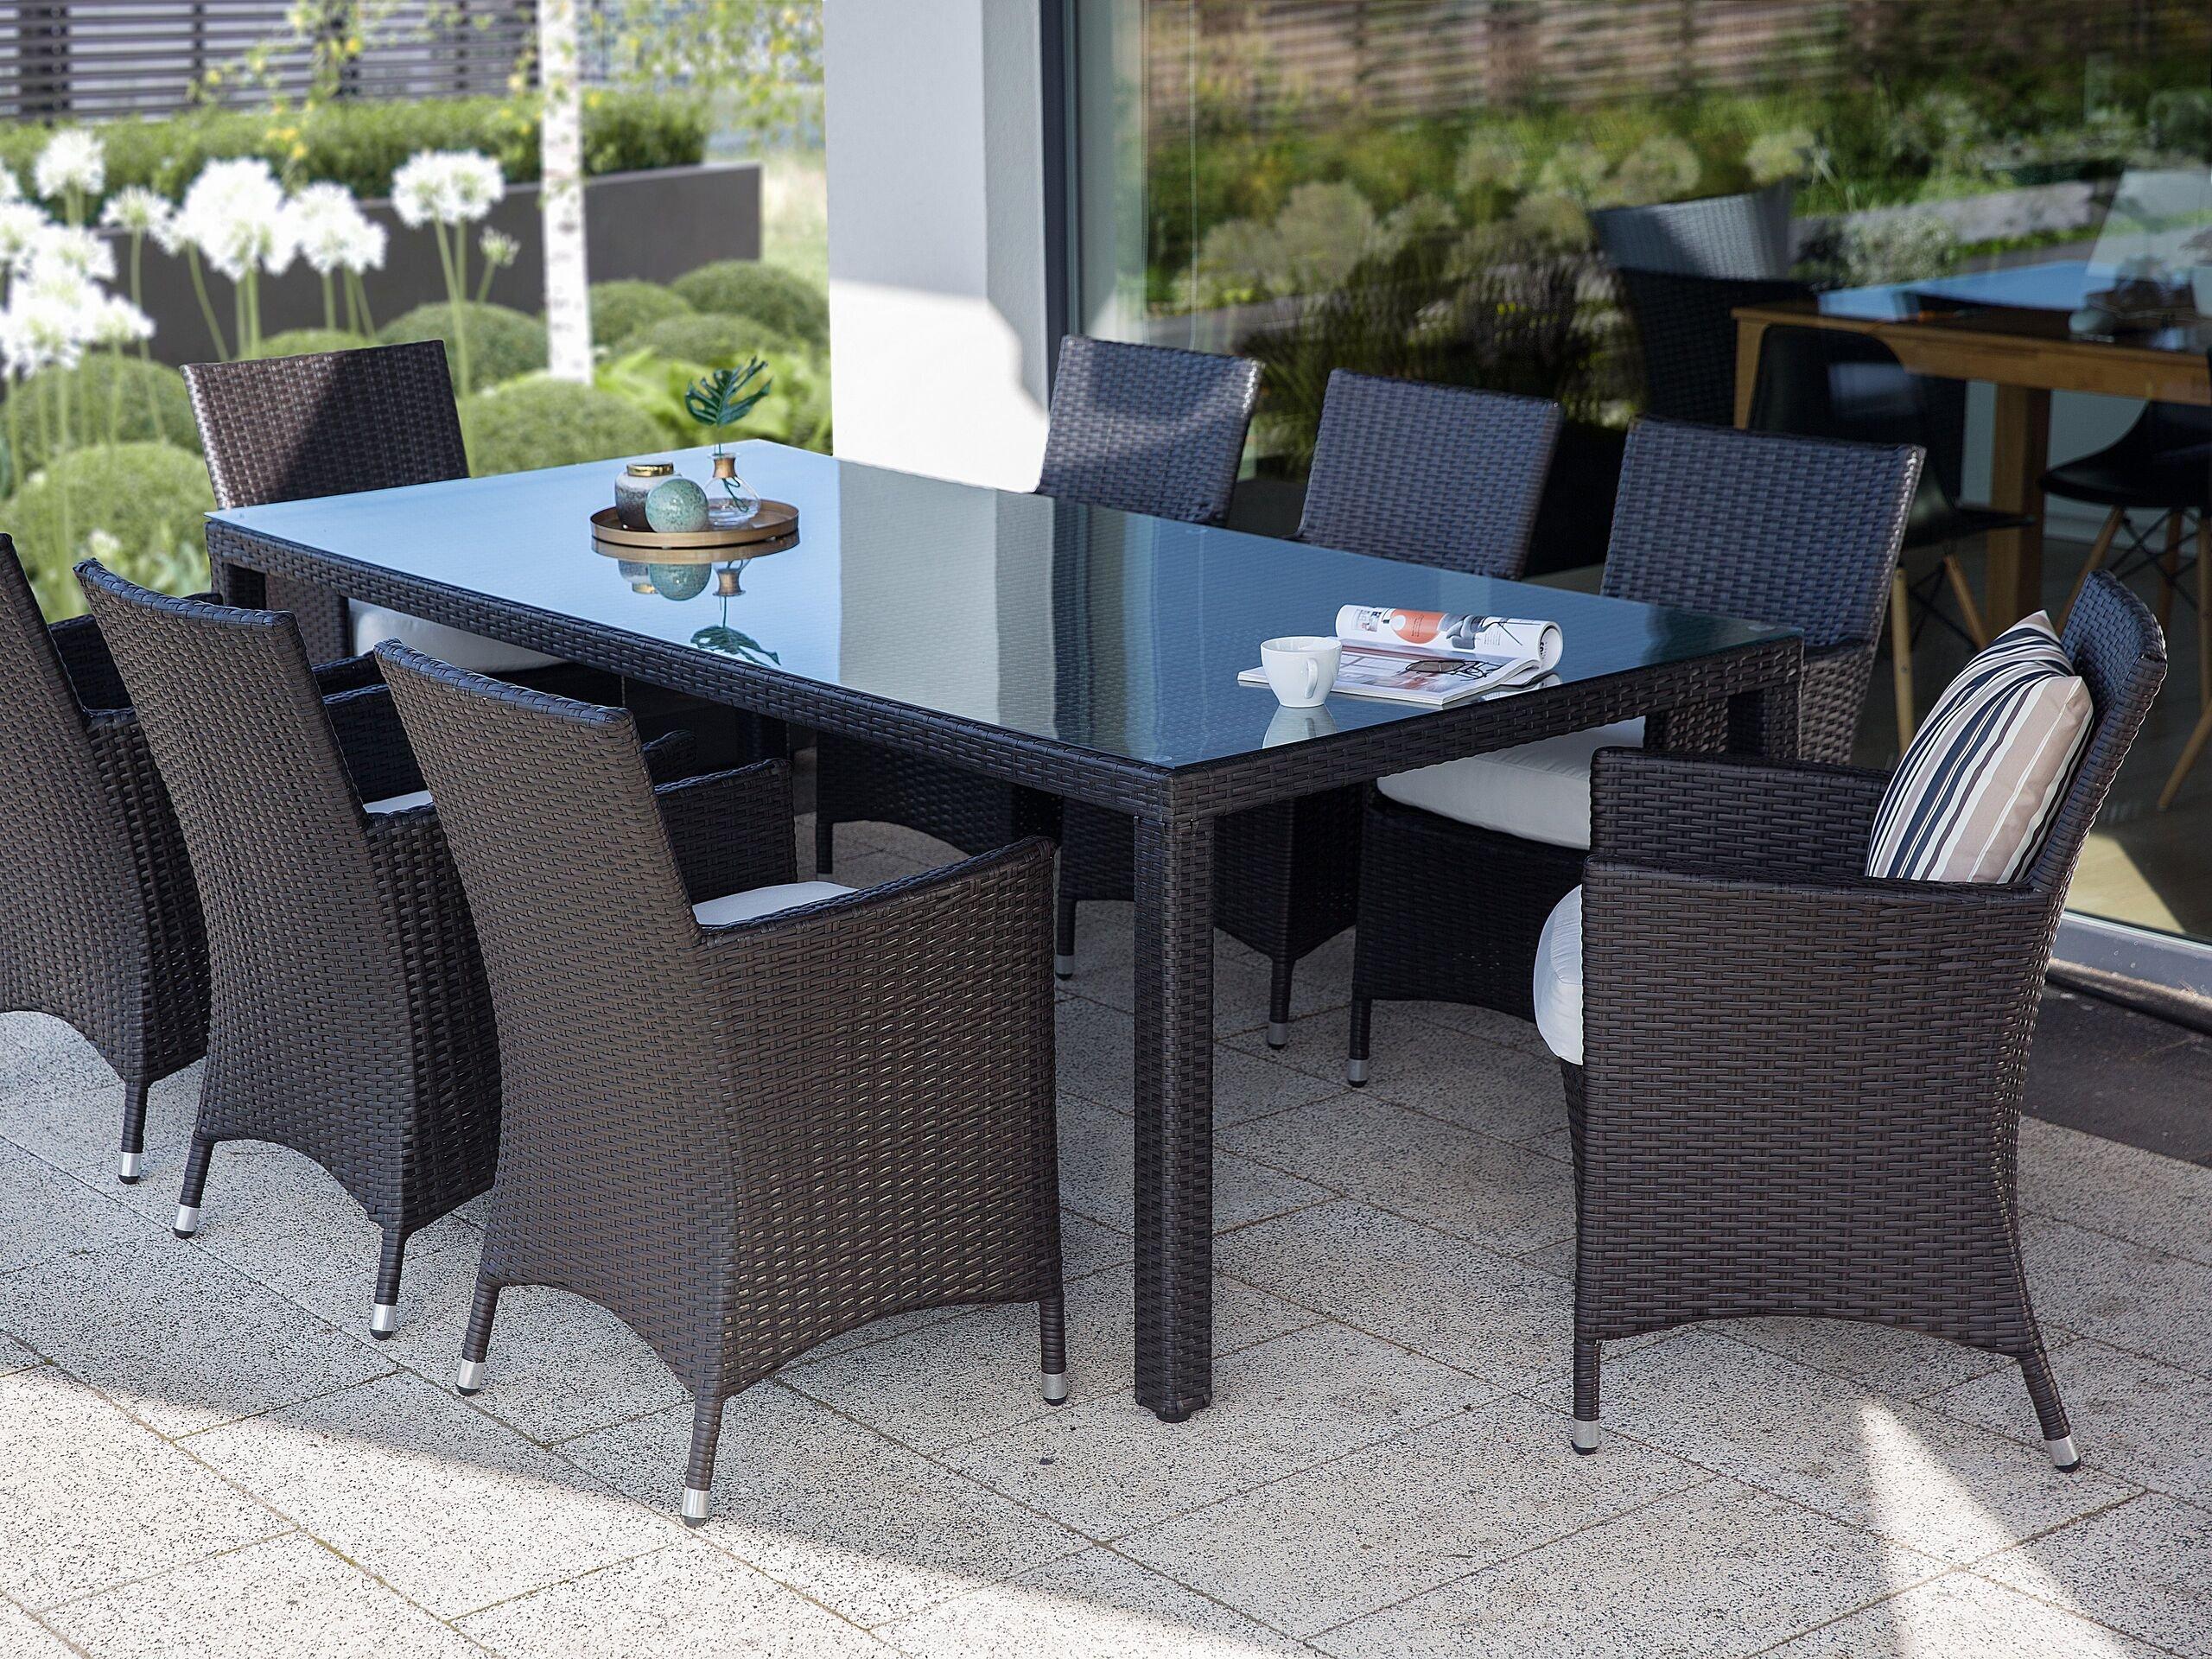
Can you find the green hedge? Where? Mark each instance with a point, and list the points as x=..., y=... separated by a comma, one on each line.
x=531, y=423
x=712, y=338
x=298, y=342
x=359, y=145
x=149, y=497
x=503, y=343
x=619, y=309
x=745, y=288
x=147, y=402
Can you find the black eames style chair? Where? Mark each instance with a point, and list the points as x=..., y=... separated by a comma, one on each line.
x=851, y=1114
x=99, y=917
x=1441, y=475
x=1801, y=532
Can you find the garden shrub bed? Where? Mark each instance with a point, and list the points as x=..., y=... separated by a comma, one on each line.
x=360, y=145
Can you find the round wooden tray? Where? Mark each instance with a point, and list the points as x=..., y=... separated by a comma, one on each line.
x=777, y=521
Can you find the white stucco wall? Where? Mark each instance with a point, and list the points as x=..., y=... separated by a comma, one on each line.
x=935, y=148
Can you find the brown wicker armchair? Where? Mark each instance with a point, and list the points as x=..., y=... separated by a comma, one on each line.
x=1800, y=1087
x=1802, y=532
x=100, y=924
x=349, y=1018
x=743, y=1113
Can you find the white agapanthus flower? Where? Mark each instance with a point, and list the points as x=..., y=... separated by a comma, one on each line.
x=11, y=188
x=115, y=321
x=45, y=324
x=63, y=254
x=20, y=224
x=332, y=231
x=499, y=250
x=137, y=211
x=234, y=214
x=74, y=159
x=449, y=185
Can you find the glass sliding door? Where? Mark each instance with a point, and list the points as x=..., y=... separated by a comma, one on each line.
x=1490, y=193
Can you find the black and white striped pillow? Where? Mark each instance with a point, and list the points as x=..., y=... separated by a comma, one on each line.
x=1975, y=792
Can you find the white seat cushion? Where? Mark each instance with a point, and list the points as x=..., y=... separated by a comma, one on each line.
x=373, y=625
x=1558, y=978
x=764, y=902
x=1539, y=791
x=398, y=803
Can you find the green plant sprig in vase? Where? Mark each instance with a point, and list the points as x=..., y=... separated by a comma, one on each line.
x=719, y=400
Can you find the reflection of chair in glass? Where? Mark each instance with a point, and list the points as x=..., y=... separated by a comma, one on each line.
x=1835, y=383
x=1798, y=1089
x=2174, y=463
x=1461, y=863
x=1687, y=325
x=742, y=1113
x=1443, y=475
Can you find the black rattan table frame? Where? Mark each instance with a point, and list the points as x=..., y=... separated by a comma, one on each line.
x=1175, y=810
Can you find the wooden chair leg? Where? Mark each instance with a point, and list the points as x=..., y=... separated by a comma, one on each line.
x=2099, y=549
x=1962, y=591
x=1901, y=655
x=2169, y=572
x=2189, y=752
x=2204, y=609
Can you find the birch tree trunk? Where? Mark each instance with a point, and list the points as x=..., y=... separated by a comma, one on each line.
x=560, y=196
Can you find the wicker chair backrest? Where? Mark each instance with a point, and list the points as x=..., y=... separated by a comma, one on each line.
x=2119, y=651
x=288, y=429
x=300, y=938
x=1444, y=475
x=65, y=867
x=1800, y=532
x=1147, y=429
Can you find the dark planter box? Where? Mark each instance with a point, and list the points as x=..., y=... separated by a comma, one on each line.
x=653, y=226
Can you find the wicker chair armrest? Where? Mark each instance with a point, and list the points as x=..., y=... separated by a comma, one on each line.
x=92, y=673
x=374, y=742
x=937, y=986
x=347, y=674
x=1831, y=691
x=731, y=831
x=1850, y=977
x=668, y=756
x=1732, y=815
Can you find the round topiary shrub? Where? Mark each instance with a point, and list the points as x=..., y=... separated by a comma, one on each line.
x=544, y=422
x=618, y=309
x=298, y=342
x=147, y=402
x=710, y=338
x=136, y=507
x=745, y=288
x=503, y=343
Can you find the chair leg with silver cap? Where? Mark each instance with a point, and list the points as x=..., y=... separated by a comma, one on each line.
x=1363, y=1020
x=131, y=1161
x=384, y=1319
x=1585, y=1397
x=476, y=1341
x=699, y=1474
x=1063, y=938
x=2063, y=1454
x=2051, y=1413
x=1586, y=1437
x=1052, y=1348
x=195, y=1186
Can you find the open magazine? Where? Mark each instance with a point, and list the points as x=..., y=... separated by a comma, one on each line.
x=1434, y=657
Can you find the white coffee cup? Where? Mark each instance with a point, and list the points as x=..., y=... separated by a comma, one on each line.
x=1301, y=667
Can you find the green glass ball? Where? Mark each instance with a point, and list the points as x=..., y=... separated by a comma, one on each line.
x=679, y=580
x=676, y=507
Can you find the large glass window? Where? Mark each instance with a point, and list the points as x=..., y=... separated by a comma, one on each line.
x=1553, y=196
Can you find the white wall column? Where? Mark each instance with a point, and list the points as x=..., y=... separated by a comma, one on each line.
x=934, y=135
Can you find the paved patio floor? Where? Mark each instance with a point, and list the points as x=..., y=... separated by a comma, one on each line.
x=201, y=1451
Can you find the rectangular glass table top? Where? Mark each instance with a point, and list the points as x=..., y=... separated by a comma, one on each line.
x=1105, y=631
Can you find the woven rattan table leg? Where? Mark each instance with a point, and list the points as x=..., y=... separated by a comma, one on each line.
x=1175, y=1106
x=1765, y=721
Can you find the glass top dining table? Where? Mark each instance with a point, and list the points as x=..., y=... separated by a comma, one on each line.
x=1076, y=651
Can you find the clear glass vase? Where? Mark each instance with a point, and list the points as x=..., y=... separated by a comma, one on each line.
x=732, y=501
